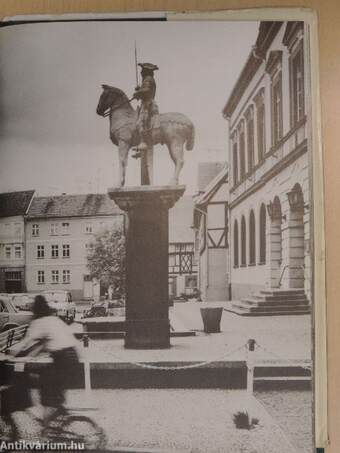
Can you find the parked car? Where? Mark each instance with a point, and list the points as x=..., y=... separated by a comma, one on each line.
x=61, y=302
x=23, y=301
x=96, y=310
x=10, y=316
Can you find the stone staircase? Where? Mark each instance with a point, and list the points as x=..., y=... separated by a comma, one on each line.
x=269, y=302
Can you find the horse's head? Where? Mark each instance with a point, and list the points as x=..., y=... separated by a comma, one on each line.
x=110, y=97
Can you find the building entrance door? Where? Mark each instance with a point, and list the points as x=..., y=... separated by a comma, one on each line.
x=13, y=282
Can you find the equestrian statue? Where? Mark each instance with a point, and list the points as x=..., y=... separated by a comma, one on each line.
x=145, y=127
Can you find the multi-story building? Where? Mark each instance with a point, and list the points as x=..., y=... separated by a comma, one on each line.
x=269, y=176
x=211, y=227
x=182, y=261
x=13, y=208
x=59, y=230
x=269, y=161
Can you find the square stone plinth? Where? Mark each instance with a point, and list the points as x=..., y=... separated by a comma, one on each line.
x=147, y=242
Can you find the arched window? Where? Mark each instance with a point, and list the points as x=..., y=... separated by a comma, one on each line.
x=235, y=163
x=252, y=247
x=236, y=262
x=262, y=234
x=250, y=138
x=243, y=242
x=242, y=152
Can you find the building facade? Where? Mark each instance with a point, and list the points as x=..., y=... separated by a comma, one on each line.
x=212, y=239
x=59, y=231
x=13, y=208
x=269, y=151
x=183, y=277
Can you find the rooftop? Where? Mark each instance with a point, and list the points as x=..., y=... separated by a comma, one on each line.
x=72, y=206
x=15, y=203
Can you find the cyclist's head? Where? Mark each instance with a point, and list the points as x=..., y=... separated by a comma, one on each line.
x=41, y=307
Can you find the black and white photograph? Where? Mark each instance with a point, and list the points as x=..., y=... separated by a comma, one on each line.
x=156, y=236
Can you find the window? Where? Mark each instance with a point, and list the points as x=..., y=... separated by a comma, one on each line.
x=66, y=250
x=35, y=229
x=236, y=262
x=277, y=108
x=252, y=245
x=242, y=154
x=260, y=125
x=41, y=277
x=65, y=226
x=243, y=242
x=89, y=247
x=261, y=132
x=40, y=251
x=54, y=229
x=297, y=86
x=88, y=228
x=181, y=258
x=262, y=234
x=8, y=251
x=55, y=276
x=250, y=138
x=18, y=251
x=66, y=276
x=235, y=163
x=55, y=251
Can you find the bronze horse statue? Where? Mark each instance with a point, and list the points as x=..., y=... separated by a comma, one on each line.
x=175, y=130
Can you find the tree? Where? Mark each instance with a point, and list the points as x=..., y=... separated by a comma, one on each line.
x=106, y=259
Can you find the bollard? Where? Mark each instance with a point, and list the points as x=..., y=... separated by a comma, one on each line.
x=250, y=378
x=85, y=341
x=87, y=374
x=250, y=366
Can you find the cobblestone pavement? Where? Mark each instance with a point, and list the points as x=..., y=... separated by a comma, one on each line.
x=197, y=421
x=292, y=410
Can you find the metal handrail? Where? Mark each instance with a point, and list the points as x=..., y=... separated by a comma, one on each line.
x=292, y=267
x=12, y=336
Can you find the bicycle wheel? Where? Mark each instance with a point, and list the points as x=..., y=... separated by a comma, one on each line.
x=83, y=430
x=8, y=430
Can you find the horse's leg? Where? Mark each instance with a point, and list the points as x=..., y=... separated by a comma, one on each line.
x=177, y=155
x=123, y=151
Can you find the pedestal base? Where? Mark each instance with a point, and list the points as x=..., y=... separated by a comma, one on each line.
x=147, y=334
x=147, y=304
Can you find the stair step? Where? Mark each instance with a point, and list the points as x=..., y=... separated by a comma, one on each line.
x=273, y=303
x=273, y=291
x=271, y=308
x=279, y=297
x=268, y=313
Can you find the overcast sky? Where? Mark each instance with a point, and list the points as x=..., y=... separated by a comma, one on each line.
x=52, y=140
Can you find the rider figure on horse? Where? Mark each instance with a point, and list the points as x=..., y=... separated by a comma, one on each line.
x=148, y=109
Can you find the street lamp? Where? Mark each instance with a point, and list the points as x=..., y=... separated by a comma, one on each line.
x=295, y=200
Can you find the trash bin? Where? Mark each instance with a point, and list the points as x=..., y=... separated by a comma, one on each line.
x=211, y=317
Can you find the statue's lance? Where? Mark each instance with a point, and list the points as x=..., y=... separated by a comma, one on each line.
x=136, y=65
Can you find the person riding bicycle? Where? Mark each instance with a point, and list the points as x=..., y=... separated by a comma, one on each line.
x=48, y=333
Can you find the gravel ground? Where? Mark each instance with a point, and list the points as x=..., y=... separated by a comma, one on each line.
x=292, y=410
x=196, y=421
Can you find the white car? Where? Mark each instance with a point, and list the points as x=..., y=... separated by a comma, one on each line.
x=61, y=302
x=10, y=316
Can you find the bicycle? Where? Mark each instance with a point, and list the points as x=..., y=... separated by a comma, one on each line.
x=66, y=425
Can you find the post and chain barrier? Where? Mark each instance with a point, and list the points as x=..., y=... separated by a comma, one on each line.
x=250, y=348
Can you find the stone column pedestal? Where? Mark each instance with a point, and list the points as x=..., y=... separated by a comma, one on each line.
x=147, y=307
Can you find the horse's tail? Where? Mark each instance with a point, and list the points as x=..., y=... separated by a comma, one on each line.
x=191, y=139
